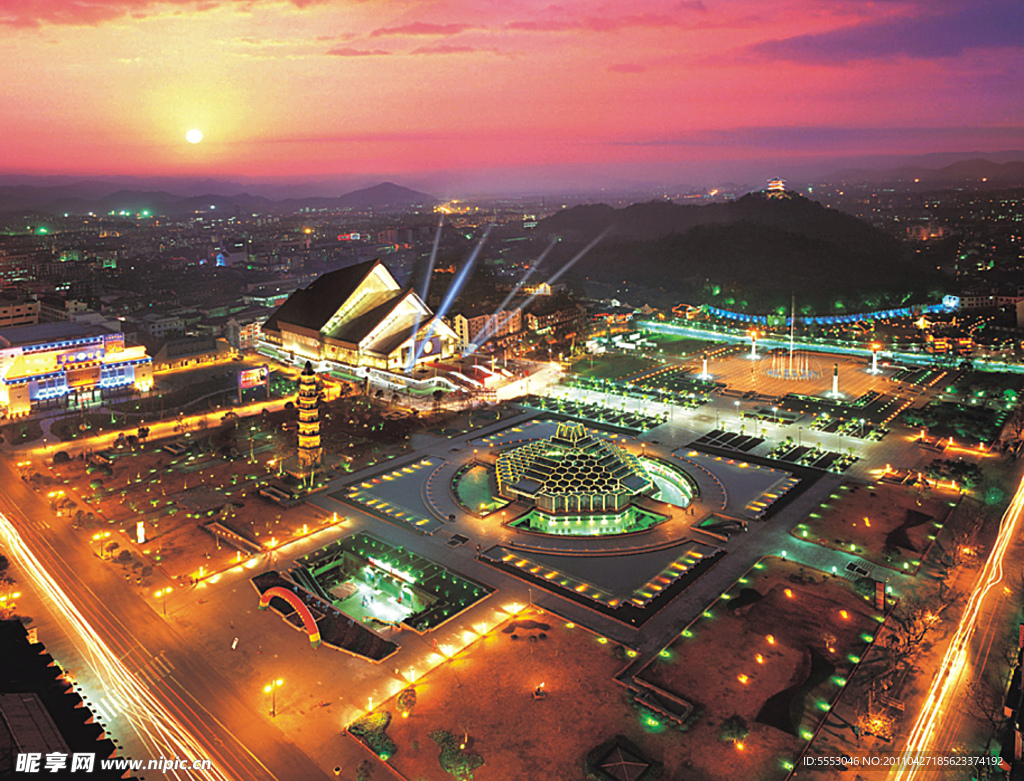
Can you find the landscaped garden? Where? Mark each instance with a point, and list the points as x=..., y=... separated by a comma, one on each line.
x=891, y=525
x=388, y=572
x=530, y=699
x=970, y=423
x=762, y=666
x=596, y=413
x=208, y=482
x=612, y=366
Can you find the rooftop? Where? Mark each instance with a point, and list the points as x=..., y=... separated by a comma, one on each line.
x=41, y=333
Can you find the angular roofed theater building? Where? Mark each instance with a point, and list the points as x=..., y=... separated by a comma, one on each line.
x=358, y=316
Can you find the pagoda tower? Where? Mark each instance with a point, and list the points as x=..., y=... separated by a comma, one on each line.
x=310, y=452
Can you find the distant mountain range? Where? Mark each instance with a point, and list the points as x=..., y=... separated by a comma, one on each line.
x=978, y=170
x=751, y=254
x=103, y=197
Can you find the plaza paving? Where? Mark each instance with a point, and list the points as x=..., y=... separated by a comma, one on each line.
x=342, y=686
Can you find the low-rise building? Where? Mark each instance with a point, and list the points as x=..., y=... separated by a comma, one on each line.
x=17, y=311
x=40, y=364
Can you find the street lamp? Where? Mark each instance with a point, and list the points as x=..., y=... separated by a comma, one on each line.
x=98, y=538
x=775, y=415
x=162, y=594
x=271, y=689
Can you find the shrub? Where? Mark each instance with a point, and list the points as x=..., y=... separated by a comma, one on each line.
x=61, y=457
x=371, y=729
x=453, y=759
x=365, y=771
x=734, y=729
x=407, y=700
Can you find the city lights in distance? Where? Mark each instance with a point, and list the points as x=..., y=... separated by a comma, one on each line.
x=194, y=136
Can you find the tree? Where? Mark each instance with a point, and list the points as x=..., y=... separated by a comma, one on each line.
x=734, y=729
x=876, y=721
x=985, y=704
x=908, y=627
x=1015, y=422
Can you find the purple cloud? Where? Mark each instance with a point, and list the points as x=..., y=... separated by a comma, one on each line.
x=931, y=33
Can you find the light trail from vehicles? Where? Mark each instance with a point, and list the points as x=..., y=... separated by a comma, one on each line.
x=945, y=683
x=158, y=729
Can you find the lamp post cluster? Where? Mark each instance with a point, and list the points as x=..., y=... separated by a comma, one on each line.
x=162, y=594
x=271, y=689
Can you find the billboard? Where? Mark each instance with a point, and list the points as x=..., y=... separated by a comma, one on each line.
x=113, y=343
x=250, y=378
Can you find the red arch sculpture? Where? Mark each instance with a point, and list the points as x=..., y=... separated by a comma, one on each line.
x=300, y=607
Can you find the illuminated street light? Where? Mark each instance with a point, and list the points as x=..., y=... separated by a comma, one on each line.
x=271, y=689
x=162, y=594
x=98, y=538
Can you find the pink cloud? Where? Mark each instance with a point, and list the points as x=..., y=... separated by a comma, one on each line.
x=421, y=28
x=627, y=67
x=36, y=13
x=443, y=49
x=348, y=51
x=601, y=24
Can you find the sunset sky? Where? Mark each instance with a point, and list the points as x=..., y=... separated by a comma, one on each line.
x=483, y=93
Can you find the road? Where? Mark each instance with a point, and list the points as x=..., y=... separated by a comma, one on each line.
x=158, y=429
x=956, y=669
x=173, y=702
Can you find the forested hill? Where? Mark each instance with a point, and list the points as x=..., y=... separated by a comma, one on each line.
x=752, y=253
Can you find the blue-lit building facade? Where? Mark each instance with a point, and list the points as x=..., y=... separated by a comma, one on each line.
x=42, y=364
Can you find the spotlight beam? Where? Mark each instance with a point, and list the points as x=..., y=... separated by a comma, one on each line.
x=491, y=323
x=554, y=278
x=454, y=289
x=425, y=288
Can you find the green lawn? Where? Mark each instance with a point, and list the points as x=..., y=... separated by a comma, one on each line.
x=612, y=367
x=683, y=345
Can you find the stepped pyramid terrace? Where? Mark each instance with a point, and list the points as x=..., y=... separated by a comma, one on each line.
x=577, y=484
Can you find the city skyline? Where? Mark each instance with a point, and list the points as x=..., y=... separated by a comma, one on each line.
x=450, y=94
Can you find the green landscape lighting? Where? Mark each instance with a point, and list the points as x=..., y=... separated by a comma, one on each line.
x=839, y=681
x=854, y=659
x=664, y=653
x=687, y=633
x=806, y=734
x=867, y=638
x=706, y=614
